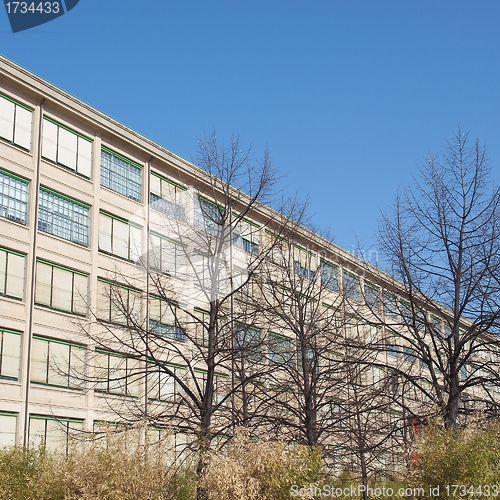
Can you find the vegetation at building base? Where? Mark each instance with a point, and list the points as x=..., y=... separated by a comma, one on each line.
x=468, y=456
x=248, y=469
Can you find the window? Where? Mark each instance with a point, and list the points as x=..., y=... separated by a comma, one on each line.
x=375, y=375
x=436, y=326
x=59, y=363
x=372, y=296
x=13, y=197
x=406, y=312
x=210, y=274
x=329, y=276
x=61, y=288
x=116, y=303
x=392, y=349
x=199, y=322
x=167, y=256
x=304, y=263
x=10, y=354
x=12, y=265
x=311, y=359
x=409, y=354
x=166, y=197
x=116, y=373
x=280, y=349
x=121, y=174
x=119, y=237
x=164, y=319
x=15, y=122
x=66, y=147
x=208, y=216
x=248, y=342
x=351, y=285
x=279, y=248
x=63, y=217
x=54, y=434
x=390, y=308
x=161, y=385
x=7, y=429
x=246, y=237
x=220, y=384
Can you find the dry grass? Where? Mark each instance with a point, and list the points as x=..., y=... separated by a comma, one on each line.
x=264, y=470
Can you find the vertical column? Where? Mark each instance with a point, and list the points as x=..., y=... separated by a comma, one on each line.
x=23, y=423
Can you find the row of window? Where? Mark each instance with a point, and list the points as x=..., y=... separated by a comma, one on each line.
x=66, y=289
x=59, y=434
x=67, y=148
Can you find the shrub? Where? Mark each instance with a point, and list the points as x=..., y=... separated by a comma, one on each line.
x=124, y=470
x=261, y=469
x=29, y=475
x=469, y=456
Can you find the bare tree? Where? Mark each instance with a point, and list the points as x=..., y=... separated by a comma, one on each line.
x=442, y=243
x=303, y=314
x=181, y=340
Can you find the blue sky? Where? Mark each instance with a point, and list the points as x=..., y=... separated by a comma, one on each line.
x=348, y=95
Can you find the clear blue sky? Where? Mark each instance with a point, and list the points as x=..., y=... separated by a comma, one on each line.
x=349, y=95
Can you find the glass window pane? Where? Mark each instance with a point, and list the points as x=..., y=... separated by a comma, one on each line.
x=56, y=436
x=101, y=371
x=66, y=148
x=49, y=143
x=58, y=364
x=7, y=430
x=62, y=289
x=84, y=157
x=154, y=309
x=117, y=374
x=43, y=290
x=77, y=367
x=120, y=239
x=3, y=270
x=22, y=131
x=15, y=275
x=37, y=432
x=119, y=305
x=39, y=360
x=103, y=301
x=105, y=230
x=153, y=385
x=11, y=354
x=80, y=294
x=7, y=119
x=135, y=243
x=155, y=184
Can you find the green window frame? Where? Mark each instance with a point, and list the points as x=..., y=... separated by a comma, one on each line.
x=61, y=288
x=12, y=273
x=63, y=216
x=8, y=424
x=166, y=196
x=116, y=373
x=351, y=285
x=54, y=434
x=116, y=303
x=119, y=237
x=329, y=275
x=162, y=386
x=13, y=197
x=10, y=353
x=167, y=256
x=57, y=363
x=280, y=349
x=66, y=147
x=16, y=121
x=120, y=174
